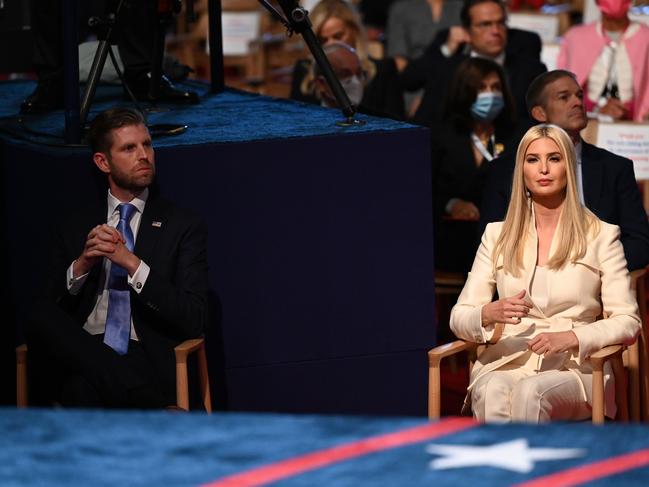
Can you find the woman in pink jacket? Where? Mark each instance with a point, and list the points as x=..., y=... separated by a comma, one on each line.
x=610, y=60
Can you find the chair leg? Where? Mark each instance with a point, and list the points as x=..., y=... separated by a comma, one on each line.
x=634, y=381
x=182, y=384
x=621, y=389
x=434, y=390
x=598, y=395
x=21, y=376
x=182, y=351
x=204, y=380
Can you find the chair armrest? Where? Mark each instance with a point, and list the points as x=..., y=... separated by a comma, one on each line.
x=598, y=358
x=187, y=347
x=435, y=356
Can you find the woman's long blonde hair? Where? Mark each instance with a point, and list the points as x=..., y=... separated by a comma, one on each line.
x=576, y=222
x=340, y=9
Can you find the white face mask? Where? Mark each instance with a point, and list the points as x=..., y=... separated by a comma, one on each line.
x=353, y=86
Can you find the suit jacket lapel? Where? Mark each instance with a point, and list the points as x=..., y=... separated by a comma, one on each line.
x=151, y=226
x=530, y=258
x=592, y=175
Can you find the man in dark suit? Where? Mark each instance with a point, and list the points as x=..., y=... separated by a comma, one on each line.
x=126, y=282
x=135, y=31
x=607, y=182
x=483, y=33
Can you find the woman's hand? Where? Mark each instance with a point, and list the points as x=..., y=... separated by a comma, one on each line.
x=549, y=343
x=506, y=310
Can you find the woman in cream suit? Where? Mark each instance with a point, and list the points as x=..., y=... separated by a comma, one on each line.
x=558, y=269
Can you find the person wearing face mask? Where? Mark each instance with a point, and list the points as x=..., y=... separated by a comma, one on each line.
x=347, y=67
x=483, y=33
x=336, y=21
x=610, y=59
x=479, y=125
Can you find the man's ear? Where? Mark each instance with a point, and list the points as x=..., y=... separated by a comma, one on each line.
x=538, y=114
x=101, y=161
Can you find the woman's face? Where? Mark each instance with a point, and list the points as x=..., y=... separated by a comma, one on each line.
x=490, y=84
x=544, y=169
x=334, y=29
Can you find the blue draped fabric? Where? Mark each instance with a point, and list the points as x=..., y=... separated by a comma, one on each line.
x=99, y=448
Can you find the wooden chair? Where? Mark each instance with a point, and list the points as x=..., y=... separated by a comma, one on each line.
x=182, y=351
x=631, y=394
x=448, y=286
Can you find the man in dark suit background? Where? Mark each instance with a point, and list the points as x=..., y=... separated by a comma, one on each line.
x=126, y=282
x=483, y=33
x=135, y=31
x=606, y=181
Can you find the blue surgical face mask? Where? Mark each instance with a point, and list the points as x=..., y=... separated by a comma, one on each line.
x=487, y=106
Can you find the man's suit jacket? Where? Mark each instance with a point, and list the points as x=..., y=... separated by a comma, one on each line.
x=610, y=191
x=578, y=294
x=433, y=72
x=172, y=305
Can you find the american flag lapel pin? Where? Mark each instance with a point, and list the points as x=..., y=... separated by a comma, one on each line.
x=156, y=224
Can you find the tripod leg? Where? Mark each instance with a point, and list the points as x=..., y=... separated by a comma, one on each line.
x=93, y=78
x=158, y=59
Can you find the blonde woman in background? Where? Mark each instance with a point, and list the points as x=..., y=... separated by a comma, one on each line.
x=338, y=21
x=559, y=269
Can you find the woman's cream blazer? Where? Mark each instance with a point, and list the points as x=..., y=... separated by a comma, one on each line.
x=579, y=294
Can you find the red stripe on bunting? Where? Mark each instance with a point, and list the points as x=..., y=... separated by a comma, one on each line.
x=592, y=471
x=324, y=458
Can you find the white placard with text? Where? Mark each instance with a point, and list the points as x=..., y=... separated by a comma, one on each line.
x=239, y=28
x=546, y=26
x=629, y=140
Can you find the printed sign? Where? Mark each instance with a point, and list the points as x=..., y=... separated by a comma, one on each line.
x=546, y=26
x=239, y=29
x=629, y=140
x=550, y=55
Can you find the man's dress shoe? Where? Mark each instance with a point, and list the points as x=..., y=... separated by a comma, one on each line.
x=46, y=97
x=167, y=93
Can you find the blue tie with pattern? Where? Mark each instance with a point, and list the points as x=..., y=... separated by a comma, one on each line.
x=118, y=319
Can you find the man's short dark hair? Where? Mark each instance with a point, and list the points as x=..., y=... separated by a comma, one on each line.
x=535, y=95
x=465, y=17
x=99, y=135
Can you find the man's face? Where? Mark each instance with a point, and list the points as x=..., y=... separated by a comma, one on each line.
x=346, y=65
x=488, y=30
x=130, y=164
x=563, y=105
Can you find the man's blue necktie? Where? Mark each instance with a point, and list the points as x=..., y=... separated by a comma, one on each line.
x=118, y=319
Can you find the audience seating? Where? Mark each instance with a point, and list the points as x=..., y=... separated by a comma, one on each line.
x=182, y=352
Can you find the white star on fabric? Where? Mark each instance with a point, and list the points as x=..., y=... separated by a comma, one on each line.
x=515, y=455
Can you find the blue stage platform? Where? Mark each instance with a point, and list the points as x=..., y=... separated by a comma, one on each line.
x=320, y=242
x=100, y=448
